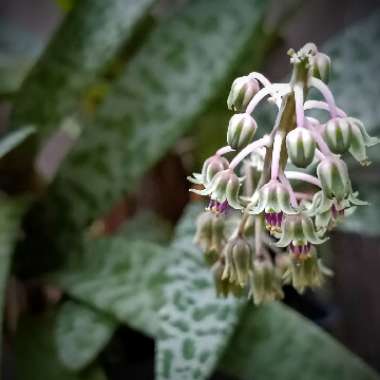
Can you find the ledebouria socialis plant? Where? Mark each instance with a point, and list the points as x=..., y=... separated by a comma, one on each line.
x=282, y=213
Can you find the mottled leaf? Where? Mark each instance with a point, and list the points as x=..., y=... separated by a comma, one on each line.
x=85, y=43
x=14, y=138
x=274, y=342
x=164, y=87
x=80, y=334
x=121, y=278
x=195, y=325
x=36, y=354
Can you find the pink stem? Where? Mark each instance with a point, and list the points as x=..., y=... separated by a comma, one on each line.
x=224, y=150
x=249, y=149
x=261, y=78
x=327, y=94
x=303, y=177
x=303, y=195
x=265, y=91
x=319, y=154
x=276, y=154
x=325, y=150
x=317, y=104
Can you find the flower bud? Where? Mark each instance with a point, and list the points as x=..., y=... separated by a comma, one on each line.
x=338, y=134
x=242, y=91
x=298, y=233
x=210, y=234
x=321, y=66
x=265, y=285
x=224, y=186
x=333, y=174
x=241, y=130
x=300, y=145
x=360, y=140
x=238, y=257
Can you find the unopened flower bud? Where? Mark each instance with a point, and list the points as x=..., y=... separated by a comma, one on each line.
x=242, y=91
x=335, y=181
x=238, y=257
x=321, y=66
x=338, y=134
x=210, y=234
x=223, y=286
x=300, y=145
x=265, y=284
x=298, y=232
x=224, y=186
x=241, y=130
x=360, y=140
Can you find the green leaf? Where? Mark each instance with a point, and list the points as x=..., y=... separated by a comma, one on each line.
x=13, y=139
x=121, y=278
x=80, y=334
x=195, y=325
x=274, y=342
x=163, y=89
x=36, y=353
x=89, y=37
x=147, y=226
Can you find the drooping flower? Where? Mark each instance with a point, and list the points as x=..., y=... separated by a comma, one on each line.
x=300, y=146
x=274, y=200
x=242, y=91
x=210, y=168
x=241, y=130
x=298, y=233
x=224, y=186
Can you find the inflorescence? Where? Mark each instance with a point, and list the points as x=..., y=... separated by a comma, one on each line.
x=290, y=187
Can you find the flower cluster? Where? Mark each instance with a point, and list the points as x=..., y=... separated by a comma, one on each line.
x=282, y=213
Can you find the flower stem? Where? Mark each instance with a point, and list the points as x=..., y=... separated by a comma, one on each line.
x=249, y=149
x=277, y=145
x=326, y=93
x=299, y=98
x=224, y=150
x=317, y=104
x=303, y=177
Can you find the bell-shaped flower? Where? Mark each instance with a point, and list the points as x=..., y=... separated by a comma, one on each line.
x=210, y=234
x=306, y=271
x=298, y=233
x=274, y=200
x=335, y=181
x=242, y=91
x=224, y=186
x=224, y=287
x=241, y=130
x=265, y=283
x=300, y=146
x=211, y=166
x=238, y=255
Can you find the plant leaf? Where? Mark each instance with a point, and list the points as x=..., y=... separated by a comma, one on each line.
x=36, y=353
x=165, y=86
x=275, y=342
x=195, y=325
x=121, y=278
x=80, y=334
x=14, y=138
x=85, y=43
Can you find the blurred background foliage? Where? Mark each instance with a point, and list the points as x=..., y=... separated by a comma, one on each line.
x=105, y=107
